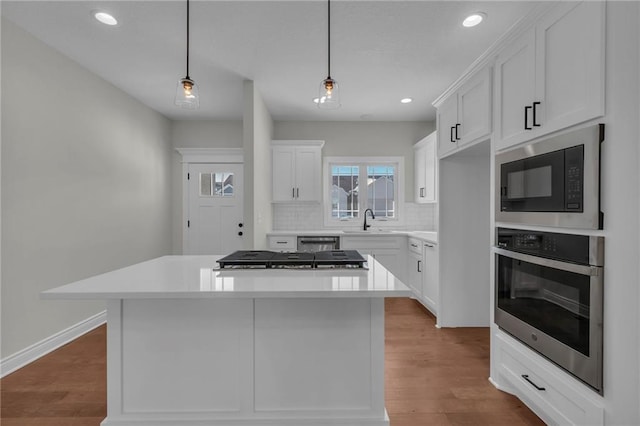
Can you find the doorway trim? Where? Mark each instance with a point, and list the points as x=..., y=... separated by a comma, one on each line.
x=200, y=156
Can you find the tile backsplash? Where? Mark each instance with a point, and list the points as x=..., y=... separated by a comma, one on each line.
x=308, y=217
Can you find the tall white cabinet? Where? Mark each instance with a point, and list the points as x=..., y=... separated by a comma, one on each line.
x=426, y=169
x=297, y=171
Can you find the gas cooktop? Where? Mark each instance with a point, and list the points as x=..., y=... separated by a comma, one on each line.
x=257, y=259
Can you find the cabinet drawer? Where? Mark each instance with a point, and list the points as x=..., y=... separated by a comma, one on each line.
x=550, y=392
x=415, y=245
x=282, y=242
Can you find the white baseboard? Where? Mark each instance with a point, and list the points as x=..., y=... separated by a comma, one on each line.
x=28, y=355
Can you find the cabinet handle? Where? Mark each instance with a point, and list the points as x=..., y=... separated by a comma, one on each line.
x=281, y=242
x=534, y=114
x=293, y=193
x=457, y=125
x=297, y=192
x=526, y=117
x=451, y=138
x=526, y=377
x=422, y=192
x=414, y=245
x=419, y=262
x=429, y=245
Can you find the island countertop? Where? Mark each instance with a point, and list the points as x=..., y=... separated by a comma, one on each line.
x=188, y=277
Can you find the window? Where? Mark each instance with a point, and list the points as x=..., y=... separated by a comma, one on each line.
x=216, y=184
x=357, y=184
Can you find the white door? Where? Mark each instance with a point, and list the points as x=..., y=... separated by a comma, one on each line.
x=447, y=120
x=215, y=223
x=515, y=80
x=570, y=65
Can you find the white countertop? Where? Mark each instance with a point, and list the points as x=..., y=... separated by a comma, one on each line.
x=172, y=277
x=430, y=236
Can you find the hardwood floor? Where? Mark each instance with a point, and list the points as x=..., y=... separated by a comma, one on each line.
x=433, y=377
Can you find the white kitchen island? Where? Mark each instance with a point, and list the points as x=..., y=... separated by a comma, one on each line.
x=191, y=345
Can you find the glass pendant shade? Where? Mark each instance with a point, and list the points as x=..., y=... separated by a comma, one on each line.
x=187, y=95
x=329, y=94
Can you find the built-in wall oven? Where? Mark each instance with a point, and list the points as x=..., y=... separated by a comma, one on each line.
x=553, y=182
x=549, y=295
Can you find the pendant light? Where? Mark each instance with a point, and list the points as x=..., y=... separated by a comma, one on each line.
x=329, y=94
x=187, y=91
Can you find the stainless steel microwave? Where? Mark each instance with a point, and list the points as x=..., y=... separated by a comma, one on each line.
x=552, y=182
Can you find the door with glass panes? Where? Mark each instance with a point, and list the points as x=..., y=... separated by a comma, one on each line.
x=215, y=209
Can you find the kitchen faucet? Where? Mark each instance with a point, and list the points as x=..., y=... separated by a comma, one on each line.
x=365, y=218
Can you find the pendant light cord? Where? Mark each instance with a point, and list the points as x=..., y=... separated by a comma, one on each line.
x=329, y=39
x=188, y=40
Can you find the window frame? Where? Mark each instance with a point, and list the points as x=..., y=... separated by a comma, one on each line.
x=363, y=162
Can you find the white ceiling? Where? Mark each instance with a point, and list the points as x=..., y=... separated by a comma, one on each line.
x=381, y=51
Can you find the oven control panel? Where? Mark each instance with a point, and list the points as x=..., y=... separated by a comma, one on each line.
x=552, y=245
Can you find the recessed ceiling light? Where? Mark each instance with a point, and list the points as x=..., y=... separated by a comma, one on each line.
x=105, y=18
x=406, y=100
x=474, y=19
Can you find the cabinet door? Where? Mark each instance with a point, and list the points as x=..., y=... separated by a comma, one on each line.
x=515, y=89
x=283, y=173
x=570, y=65
x=431, y=170
x=308, y=175
x=420, y=170
x=447, y=120
x=430, y=284
x=474, y=108
x=414, y=273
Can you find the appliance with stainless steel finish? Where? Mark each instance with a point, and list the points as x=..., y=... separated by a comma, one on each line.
x=553, y=182
x=263, y=259
x=549, y=295
x=313, y=243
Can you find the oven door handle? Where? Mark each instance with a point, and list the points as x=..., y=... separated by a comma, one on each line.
x=592, y=271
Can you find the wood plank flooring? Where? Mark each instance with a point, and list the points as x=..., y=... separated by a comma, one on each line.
x=433, y=377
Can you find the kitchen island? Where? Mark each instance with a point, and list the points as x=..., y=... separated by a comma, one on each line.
x=192, y=345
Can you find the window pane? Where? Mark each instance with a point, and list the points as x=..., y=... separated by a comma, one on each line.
x=205, y=184
x=223, y=184
x=381, y=190
x=344, y=191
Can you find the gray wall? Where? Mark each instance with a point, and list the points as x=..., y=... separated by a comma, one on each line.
x=362, y=139
x=85, y=185
x=195, y=134
x=257, y=134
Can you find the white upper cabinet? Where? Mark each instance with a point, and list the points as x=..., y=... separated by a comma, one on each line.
x=465, y=116
x=426, y=163
x=552, y=76
x=297, y=172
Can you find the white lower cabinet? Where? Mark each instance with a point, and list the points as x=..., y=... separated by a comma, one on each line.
x=430, y=282
x=415, y=266
x=385, y=249
x=555, y=396
x=282, y=242
x=422, y=272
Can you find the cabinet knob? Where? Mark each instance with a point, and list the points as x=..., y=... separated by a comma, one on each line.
x=240, y=233
x=240, y=225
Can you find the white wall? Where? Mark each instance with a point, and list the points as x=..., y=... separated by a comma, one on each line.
x=362, y=139
x=257, y=135
x=85, y=185
x=195, y=134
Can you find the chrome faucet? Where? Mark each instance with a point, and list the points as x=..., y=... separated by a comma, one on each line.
x=365, y=218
